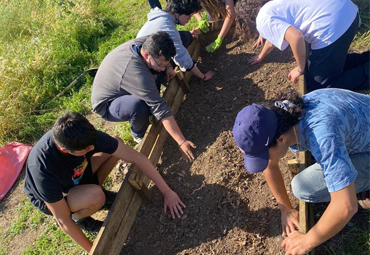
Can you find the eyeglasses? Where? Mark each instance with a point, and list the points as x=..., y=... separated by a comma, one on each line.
x=158, y=65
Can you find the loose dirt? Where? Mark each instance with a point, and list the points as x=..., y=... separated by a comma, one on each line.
x=229, y=211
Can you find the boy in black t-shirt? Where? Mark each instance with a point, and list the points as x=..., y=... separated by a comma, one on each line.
x=68, y=165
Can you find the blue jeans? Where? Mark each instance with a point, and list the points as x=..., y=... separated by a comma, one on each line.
x=310, y=186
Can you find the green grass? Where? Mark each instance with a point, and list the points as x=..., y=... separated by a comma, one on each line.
x=28, y=217
x=45, y=44
x=357, y=243
x=50, y=44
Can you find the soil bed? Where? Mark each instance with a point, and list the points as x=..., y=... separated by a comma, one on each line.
x=229, y=211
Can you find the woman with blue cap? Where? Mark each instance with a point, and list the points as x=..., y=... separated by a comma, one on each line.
x=334, y=125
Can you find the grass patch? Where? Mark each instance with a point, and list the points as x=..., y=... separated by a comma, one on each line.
x=28, y=217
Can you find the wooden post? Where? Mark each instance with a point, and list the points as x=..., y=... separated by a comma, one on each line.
x=306, y=217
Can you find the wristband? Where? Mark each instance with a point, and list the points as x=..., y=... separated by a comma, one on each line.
x=182, y=143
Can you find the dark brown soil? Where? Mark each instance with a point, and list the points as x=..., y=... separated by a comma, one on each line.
x=229, y=211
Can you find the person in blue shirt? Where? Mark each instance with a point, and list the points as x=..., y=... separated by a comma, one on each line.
x=334, y=125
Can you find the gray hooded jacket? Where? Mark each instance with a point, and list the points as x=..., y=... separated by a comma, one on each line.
x=159, y=20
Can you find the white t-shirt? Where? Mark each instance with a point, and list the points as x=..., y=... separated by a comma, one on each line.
x=321, y=22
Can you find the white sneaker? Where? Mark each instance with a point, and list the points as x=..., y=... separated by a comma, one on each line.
x=138, y=140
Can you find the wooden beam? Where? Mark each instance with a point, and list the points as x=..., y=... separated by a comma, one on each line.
x=180, y=79
x=306, y=215
x=116, y=227
x=139, y=186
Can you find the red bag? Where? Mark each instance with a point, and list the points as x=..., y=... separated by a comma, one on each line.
x=12, y=159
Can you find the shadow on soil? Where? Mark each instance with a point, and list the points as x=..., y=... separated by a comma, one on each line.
x=204, y=219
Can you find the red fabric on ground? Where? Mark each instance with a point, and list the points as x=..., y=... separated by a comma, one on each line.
x=12, y=159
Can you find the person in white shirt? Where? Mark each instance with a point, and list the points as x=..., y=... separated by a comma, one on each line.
x=319, y=33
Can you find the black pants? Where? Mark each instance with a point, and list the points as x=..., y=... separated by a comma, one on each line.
x=332, y=67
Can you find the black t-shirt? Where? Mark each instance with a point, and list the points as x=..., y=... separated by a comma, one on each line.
x=50, y=173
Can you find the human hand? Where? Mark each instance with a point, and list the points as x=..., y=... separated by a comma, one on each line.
x=185, y=149
x=215, y=45
x=203, y=25
x=294, y=74
x=194, y=34
x=258, y=43
x=296, y=243
x=208, y=75
x=170, y=73
x=173, y=202
x=289, y=221
x=254, y=60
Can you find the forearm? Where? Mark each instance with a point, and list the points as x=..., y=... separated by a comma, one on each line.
x=229, y=5
x=71, y=229
x=149, y=171
x=226, y=26
x=195, y=70
x=197, y=16
x=342, y=207
x=276, y=184
x=267, y=48
x=298, y=45
x=173, y=129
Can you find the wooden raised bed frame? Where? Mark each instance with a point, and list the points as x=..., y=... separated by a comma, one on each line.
x=117, y=225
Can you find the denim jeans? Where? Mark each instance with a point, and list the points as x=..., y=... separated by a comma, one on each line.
x=310, y=186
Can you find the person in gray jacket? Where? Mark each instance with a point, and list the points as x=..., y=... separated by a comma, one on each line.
x=176, y=12
x=125, y=89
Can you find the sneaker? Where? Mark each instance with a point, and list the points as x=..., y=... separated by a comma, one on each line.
x=90, y=225
x=363, y=201
x=109, y=198
x=138, y=140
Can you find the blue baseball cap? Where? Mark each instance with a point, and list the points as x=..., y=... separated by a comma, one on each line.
x=254, y=129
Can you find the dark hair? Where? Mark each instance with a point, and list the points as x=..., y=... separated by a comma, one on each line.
x=186, y=7
x=160, y=44
x=215, y=8
x=287, y=119
x=246, y=13
x=74, y=132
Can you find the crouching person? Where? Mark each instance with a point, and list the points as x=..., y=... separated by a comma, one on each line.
x=333, y=124
x=67, y=167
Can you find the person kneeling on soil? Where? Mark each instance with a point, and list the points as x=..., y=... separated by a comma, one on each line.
x=328, y=28
x=67, y=167
x=334, y=125
x=126, y=87
x=176, y=12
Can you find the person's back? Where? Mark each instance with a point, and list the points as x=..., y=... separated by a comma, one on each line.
x=320, y=21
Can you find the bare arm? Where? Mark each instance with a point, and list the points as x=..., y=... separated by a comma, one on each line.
x=267, y=48
x=197, y=16
x=61, y=213
x=229, y=5
x=298, y=45
x=171, y=200
x=173, y=129
x=203, y=76
x=275, y=181
x=342, y=207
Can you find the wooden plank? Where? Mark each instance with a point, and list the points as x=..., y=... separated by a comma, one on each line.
x=117, y=225
x=180, y=79
x=123, y=211
x=306, y=215
x=115, y=245
x=113, y=221
x=139, y=186
x=158, y=147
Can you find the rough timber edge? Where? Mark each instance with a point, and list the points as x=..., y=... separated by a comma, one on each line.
x=117, y=225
